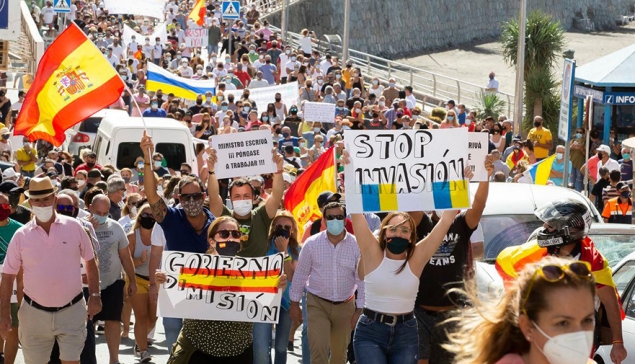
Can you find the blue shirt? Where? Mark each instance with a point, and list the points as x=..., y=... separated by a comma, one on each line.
x=158, y=113
x=268, y=71
x=180, y=235
x=626, y=168
x=284, y=142
x=559, y=167
x=462, y=118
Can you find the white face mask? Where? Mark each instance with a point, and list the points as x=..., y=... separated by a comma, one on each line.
x=43, y=214
x=242, y=207
x=571, y=348
x=133, y=211
x=81, y=182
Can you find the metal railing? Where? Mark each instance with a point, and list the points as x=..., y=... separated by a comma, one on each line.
x=31, y=45
x=430, y=89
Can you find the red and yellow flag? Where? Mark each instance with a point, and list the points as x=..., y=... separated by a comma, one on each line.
x=198, y=13
x=73, y=81
x=301, y=198
x=225, y=280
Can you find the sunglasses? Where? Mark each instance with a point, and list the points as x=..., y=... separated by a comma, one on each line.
x=553, y=273
x=399, y=229
x=184, y=173
x=132, y=203
x=192, y=196
x=285, y=227
x=335, y=217
x=146, y=215
x=224, y=234
x=61, y=208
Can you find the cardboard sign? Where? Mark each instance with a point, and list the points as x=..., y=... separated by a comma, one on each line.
x=319, y=111
x=243, y=154
x=265, y=95
x=214, y=287
x=196, y=37
x=406, y=170
x=478, y=145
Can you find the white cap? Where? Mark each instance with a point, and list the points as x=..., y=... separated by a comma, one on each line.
x=604, y=148
x=9, y=173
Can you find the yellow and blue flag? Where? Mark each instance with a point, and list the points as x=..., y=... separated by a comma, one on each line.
x=540, y=171
x=181, y=87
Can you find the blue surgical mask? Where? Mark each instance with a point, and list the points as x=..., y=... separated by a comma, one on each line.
x=335, y=227
x=450, y=118
x=100, y=219
x=578, y=135
x=626, y=156
x=224, y=108
x=265, y=118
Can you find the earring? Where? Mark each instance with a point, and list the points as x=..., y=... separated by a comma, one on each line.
x=528, y=338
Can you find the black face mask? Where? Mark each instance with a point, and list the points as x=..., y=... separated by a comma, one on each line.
x=537, y=124
x=282, y=232
x=278, y=99
x=199, y=102
x=600, y=155
x=227, y=248
x=230, y=99
x=146, y=222
x=90, y=165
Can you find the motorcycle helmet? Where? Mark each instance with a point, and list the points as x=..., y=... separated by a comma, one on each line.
x=568, y=222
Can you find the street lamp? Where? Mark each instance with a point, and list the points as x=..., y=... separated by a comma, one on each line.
x=520, y=68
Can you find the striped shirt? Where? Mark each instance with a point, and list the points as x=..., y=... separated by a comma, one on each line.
x=328, y=271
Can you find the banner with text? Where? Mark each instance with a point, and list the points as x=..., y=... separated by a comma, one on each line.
x=478, y=146
x=263, y=96
x=215, y=287
x=406, y=170
x=160, y=32
x=323, y=112
x=243, y=154
x=196, y=37
x=152, y=8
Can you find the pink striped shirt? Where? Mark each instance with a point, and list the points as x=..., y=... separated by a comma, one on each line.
x=52, y=275
x=328, y=271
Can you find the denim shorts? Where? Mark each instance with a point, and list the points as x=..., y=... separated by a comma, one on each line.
x=376, y=342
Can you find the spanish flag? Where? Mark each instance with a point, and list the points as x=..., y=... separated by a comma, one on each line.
x=73, y=81
x=540, y=171
x=224, y=280
x=301, y=198
x=198, y=13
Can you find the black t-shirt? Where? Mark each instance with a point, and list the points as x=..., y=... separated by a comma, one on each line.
x=6, y=110
x=446, y=268
x=293, y=123
x=333, y=69
x=597, y=192
x=195, y=109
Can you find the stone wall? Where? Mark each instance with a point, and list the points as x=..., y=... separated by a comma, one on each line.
x=393, y=28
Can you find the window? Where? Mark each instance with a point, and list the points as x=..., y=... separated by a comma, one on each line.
x=127, y=153
x=90, y=125
x=614, y=247
x=623, y=277
x=502, y=231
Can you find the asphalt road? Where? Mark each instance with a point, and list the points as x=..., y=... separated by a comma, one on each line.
x=158, y=349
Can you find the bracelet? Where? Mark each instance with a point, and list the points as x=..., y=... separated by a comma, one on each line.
x=146, y=164
x=211, y=173
x=288, y=258
x=152, y=284
x=618, y=342
x=279, y=172
x=95, y=294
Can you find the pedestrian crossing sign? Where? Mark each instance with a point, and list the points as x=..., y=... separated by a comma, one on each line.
x=62, y=6
x=230, y=9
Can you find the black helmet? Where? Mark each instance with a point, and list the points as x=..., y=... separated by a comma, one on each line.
x=569, y=219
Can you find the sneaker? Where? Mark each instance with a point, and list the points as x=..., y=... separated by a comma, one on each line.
x=290, y=346
x=145, y=357
x=137, y=352
x=101, y=330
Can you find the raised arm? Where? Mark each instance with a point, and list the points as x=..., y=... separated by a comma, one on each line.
x=273, y=202
x=215, y=201
x=427, y=246
x=157, y=205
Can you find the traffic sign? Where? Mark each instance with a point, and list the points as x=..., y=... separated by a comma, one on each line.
x=568, y=74
x=231, y=9
x=9, y=17
x=619, y=98
x=62, y=6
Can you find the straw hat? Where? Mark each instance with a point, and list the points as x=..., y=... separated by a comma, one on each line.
x=40, y=187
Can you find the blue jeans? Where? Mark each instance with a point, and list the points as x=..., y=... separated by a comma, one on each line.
x=378, y=343
x=172, y=328
x=212, y=48
x=577, y=179
x=306, y=350
x=262, y=340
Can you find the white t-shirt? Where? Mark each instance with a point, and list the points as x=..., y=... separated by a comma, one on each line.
x=73, y=14
x=611, y=165
x=255, y=83
x=306, y=45
x=147, y=50
x=324, y=66
x=158, y=237
x=113, y=60
x=117, y=50
x=48, y=14
x=186, y=72
x=283, y=62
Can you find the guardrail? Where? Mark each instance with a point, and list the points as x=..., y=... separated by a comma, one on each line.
x=430, y=89
x=33, y=42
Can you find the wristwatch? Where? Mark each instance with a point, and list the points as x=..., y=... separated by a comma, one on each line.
x=95, y=295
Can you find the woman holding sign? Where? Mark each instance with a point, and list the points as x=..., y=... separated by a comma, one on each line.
x=283, y=238
x=391, y=265
x=209, y=341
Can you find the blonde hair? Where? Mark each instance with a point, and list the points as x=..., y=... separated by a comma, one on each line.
x=488, y=331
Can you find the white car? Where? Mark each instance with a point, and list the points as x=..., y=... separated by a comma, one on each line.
x=82, y=135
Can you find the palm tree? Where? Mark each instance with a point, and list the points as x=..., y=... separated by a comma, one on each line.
x=544, y=43
x=490, y=105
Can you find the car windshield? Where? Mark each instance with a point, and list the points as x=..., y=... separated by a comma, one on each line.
x=90, y=125
x=501, y=231
x=614, y=247
x=624, y=276
x=174, y=154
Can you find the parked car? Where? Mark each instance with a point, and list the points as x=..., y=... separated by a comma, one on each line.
x=624, y=277
x=82, y=135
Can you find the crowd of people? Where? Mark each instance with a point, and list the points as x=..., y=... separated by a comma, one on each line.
x=364, y=287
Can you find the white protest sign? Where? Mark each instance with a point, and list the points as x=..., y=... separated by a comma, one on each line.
x=243, y=154
x=160, y=32
x=323, y=112
x=152, y=8
x=14, y=295
x=266, y=95
x=406, y=170
x=478, y=146
x=214, y=287
x=196, y=37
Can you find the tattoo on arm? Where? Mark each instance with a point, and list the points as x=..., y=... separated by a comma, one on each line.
x=159, y=209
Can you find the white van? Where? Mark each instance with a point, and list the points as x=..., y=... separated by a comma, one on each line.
x=82, y=135
x=117, y=141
